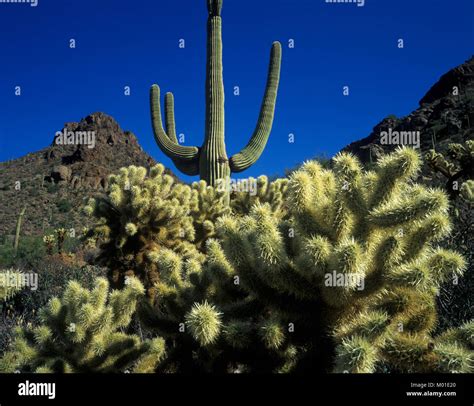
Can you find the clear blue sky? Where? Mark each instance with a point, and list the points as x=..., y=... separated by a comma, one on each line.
x=135, y=43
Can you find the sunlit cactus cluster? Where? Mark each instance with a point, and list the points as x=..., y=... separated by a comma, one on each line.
x=83, y=332
x=212, y=204
x=266, y=191
x=140, y=216
x=341, y=266
x=328, y=270
x=356, y=261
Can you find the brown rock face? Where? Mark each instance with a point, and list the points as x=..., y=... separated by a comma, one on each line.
x=76, y=166
x=61, y=173
x=89, y=150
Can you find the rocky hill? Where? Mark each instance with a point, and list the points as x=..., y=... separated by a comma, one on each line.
x=53, y=182
x=445, y=115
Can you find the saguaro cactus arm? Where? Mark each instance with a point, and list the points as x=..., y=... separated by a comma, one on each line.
x=172, y=149
x=249, y=155
x=170, y=117
x=187, y=167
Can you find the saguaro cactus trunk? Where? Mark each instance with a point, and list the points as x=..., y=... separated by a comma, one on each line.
x=17, y=231
x=210, y=161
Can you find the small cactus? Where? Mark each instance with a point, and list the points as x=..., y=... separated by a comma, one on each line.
x=49, y=241
x=456, y=165
x=60, y=238
x=467, y=191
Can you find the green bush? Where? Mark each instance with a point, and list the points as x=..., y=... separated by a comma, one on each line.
x=30, y=251
x=64, y=206
x=52, y=188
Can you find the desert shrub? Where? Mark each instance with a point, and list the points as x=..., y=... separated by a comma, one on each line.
x=30, y=251
x=52, y=187
x=54, y=273
x=64, y=205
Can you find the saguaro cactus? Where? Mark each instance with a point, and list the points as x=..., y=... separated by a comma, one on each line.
x=17, y=230
x=210, y=161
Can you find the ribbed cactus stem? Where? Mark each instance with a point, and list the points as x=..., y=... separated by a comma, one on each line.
x=188, y=167
x=214, y=163
x=170, y=148
x=169, y=117
x=17, y=231
x=250, y=154
x=214, y=7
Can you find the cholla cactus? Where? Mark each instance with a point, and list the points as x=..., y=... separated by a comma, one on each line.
x=82, y=332
x=212, y=204
x=49, y=242
x=215, y=202
x=457, y=165
x=11, y=282
x=467, y=191
x=204, y=322
x=60, y=238
x=273, y=193
x=142, y=216
x=349, y=280
x=138, y=218
x=203, y=336
x=88, y=239
x=455, y=349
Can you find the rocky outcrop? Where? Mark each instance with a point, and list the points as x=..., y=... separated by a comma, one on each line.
x=460, y=77
x=88, y=150
x=66, y=171
x=445, y=115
